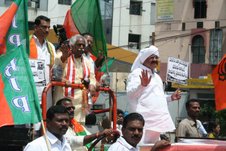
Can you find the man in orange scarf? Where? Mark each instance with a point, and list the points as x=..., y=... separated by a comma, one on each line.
x=77, y=135
x=76, y=69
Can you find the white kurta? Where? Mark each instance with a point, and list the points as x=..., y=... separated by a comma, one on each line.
x=77, y=98
x=149, y=101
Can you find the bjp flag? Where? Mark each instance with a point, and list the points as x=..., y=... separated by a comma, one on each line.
x=219, y=81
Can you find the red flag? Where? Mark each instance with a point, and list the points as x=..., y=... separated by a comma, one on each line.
x=85, y=17
x=69, y=25
x=7, y=118
x=219, y=81
x=6, y=21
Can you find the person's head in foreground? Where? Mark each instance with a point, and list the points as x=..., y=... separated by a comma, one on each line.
x=57, y=120
x=132, y=131
x=132, y=128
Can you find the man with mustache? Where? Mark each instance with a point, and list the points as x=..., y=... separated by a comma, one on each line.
x=40, y=47
x=146, y=93
x=42, y=50
x=57, y=124
x=132, y=131
x=191, y=126
x=76, y=69
x=77, y=135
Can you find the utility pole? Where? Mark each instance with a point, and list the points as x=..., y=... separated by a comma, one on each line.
x=153, y=38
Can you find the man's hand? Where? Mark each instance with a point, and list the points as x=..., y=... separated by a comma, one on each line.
x=66, y=52
x=145, y=80
x=176, y=95
x=160, y=144
x=106, y=132
x=92, y=90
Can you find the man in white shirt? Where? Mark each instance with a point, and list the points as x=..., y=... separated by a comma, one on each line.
x=57, y=125
x=132, y=131
x=77, y=135
x=42, y=52
x=146, y=94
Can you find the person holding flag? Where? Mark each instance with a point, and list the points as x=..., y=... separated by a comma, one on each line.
x=77, y=134
x=57, y=123
x=146, y=94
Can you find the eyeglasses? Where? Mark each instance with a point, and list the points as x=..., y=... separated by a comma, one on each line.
x=70, y=108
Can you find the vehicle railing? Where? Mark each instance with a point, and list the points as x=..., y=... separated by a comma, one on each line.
x=113, y=104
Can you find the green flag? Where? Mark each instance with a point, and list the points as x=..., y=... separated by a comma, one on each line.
x=85, y=17
x=14, y=27
x=19, y=102
x=107, y=65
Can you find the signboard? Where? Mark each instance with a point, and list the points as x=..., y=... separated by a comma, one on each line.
x=177, y=71
x=165, y=9
x=38, y=71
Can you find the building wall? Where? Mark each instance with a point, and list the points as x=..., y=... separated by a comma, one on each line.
x=172, y=41
x=125, y=24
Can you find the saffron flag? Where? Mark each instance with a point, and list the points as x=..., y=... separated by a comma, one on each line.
x=19, y=102
x=85, y=17
x=219, y=81
x=14, y=27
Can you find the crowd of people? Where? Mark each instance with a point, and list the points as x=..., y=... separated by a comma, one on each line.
x=74, y=62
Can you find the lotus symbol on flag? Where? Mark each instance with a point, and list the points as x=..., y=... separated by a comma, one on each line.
x=222, y=70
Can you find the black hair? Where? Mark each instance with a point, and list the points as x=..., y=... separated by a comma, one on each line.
x=60, y=102
x=119, y=111
x=190, y=101
x=91, y=119
x=132, y=117
x=54, y=110
x=39, y=18
x=212, y=125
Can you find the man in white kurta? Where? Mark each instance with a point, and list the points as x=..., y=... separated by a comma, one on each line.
x=75, y=70
x=146, y=95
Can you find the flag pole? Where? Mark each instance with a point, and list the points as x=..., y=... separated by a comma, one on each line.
x=45, y=136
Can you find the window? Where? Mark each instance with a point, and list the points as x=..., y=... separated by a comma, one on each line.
x=64, y=2
x=216, y=36
x=198, y=50
x=153, y=13
x=135, y=8
x=134, y=41
x=33, y=3
x=200, y=8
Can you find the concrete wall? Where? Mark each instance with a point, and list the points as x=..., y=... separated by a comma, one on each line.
x=124, y=23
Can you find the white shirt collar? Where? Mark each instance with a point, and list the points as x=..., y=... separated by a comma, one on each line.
x=53, y=139
x=122, y=141
x=37, y=41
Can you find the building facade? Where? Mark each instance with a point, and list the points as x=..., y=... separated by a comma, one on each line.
x=133, y=23
x=193, y=31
